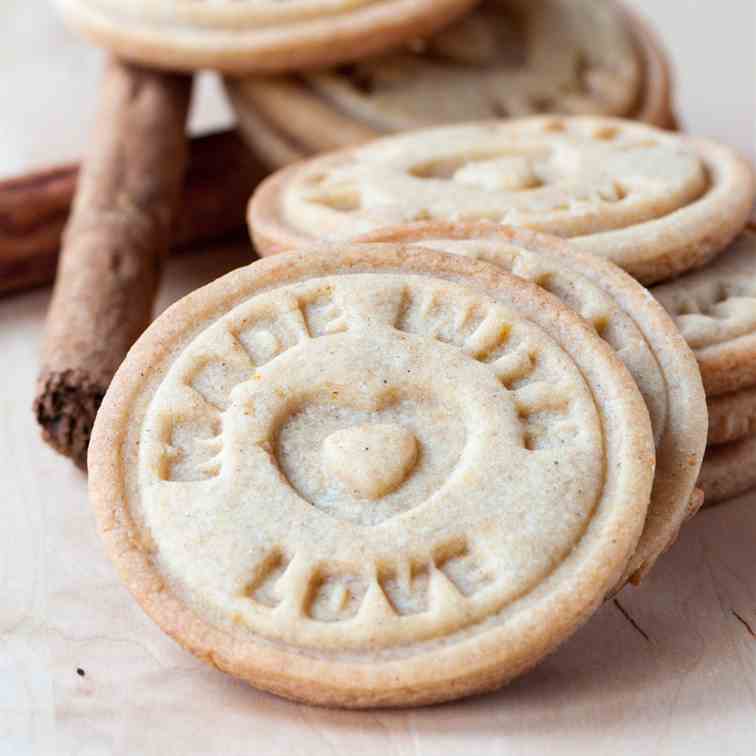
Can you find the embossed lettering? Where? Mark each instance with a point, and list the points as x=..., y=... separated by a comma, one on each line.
x=335, y=596
x=323, y=315
x=406, y=588
x=464, y=568
x=216, y=379
x=194, y=450
x=436, y=315
x=267, y=337
x=264, y=588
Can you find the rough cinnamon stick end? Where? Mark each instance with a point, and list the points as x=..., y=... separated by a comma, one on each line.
x=65, y=407
x=126, y=204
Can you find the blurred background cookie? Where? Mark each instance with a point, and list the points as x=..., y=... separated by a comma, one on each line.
x=254, y=35
x=507, y=58
x=715, y=310
x=729, y=470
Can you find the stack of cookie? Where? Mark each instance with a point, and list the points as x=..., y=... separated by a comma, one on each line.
x=403, y=460
x=506, y=59
x=715, y=309
x=408, y=454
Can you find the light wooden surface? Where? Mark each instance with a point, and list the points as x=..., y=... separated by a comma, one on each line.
x=671, y=669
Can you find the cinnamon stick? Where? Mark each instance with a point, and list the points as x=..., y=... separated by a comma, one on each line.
x=120, y=228
x=34, y=208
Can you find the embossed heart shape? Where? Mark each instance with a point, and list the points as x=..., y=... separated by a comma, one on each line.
x=370, y=461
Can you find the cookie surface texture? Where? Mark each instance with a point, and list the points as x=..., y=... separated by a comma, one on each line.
x=371, y=476
x=634, y=325
x=652, y=202
x=238, y=36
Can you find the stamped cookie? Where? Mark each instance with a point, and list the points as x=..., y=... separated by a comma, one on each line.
x=653, y=202
x=508, y=58
x=732, y=416
x=371, y=476
x=255, y=35
x=634, y=325
x=656, y=102
x=729, y=470
x=715, y=309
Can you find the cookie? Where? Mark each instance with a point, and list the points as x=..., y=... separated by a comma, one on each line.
x=270, y=146
x=656, y=102
x=732, y=416
x=371, y=476
x=634, y=325
x=729, y=470
x=715, y=310
x=653, y=202
x=508, y=58
x=255, y=35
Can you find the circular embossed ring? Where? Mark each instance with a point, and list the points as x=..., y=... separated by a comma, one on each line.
x=634, y=325
x=654, y=203
x=369, y=476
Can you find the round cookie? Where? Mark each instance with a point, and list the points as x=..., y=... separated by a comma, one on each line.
x=506, y=58
x=729, y=470
x=371, y=476
x=269, y=145
x=715, y=310
x=656, y=102
x=238, y=36
x=732, y=416
x=712, y=310
x=634, y=325
x=653, y=202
